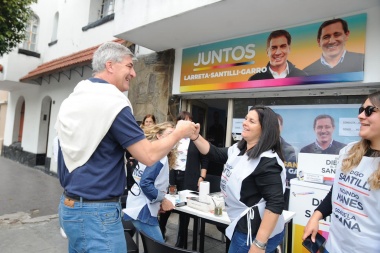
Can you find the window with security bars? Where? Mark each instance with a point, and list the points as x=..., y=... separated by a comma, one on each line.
x=107, y=8
x=30, y=42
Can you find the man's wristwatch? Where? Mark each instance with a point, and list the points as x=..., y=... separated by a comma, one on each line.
x=260, y=245
x=202, y=177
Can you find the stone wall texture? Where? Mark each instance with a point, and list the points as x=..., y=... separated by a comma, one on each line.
x=150, y=91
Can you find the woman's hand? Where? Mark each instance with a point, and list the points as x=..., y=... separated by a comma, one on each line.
x=312, y=226
x=255, y=249
x=166, y=205
x=195, y=134
x=199, y=181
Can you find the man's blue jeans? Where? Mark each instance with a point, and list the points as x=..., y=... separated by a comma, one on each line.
x=93, y=227
x=239, y=243
x=152, y=231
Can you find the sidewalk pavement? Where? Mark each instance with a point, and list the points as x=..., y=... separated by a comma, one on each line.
x=20, y=233
x=28, y=214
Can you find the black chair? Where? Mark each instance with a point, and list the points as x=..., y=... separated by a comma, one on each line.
x=131, y=245
x=153, y=246
x=128, y=227
x=129, y=230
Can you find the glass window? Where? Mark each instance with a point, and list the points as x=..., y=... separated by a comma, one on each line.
x=55, y=27
x=107, y=8
x=30, y=42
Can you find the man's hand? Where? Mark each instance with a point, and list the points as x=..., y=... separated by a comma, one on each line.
x=186, y=128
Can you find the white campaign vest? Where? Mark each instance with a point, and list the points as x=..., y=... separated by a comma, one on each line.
x=355, y=218
x=236, y=169
x=136, y=203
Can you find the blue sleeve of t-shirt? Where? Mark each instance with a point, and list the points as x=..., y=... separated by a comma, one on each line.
x=125, y=129
x=147, y=182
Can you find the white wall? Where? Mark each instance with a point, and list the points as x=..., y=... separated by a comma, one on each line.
x=372, y=54
x=149, y=11
x=33, y=96
x=73, y=15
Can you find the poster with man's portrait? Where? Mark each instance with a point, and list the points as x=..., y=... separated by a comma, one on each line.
x=323, y=52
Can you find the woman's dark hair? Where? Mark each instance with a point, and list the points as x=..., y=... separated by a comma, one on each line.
x=149, y=116
x=183, y=115
x=270, y=133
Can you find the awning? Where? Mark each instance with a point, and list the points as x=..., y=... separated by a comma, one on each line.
x=54, y=68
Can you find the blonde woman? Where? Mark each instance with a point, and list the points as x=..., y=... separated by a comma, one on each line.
x=354, y=200
x=151, y=185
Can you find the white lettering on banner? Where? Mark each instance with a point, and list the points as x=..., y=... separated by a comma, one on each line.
x=197, y=76
x=252, y=71
x=225, y=73
x=223, y=55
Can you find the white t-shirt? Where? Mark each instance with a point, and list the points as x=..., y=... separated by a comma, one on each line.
x=182, y=151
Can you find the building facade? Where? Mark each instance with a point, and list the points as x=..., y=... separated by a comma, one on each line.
x=40, y=74
x=44, y=70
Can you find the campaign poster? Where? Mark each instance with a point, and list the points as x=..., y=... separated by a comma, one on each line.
x=299, y=124
x=248, y=62
x=321, y=130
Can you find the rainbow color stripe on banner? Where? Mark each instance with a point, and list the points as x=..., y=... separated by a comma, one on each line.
x=345, y=77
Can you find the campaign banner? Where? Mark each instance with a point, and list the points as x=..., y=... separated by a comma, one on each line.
x=318, y=130
x=306, y=56
x=317, y=168
x=307, y=127
x=305, y=197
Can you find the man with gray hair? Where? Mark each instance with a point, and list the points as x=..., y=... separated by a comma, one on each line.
x=95, y=126
x=324, y=144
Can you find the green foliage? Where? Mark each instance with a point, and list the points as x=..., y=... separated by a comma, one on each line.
x=14, y=15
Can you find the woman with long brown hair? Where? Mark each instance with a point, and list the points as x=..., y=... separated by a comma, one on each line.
x=253, y=182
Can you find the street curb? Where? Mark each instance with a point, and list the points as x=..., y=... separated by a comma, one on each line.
x=24, y=218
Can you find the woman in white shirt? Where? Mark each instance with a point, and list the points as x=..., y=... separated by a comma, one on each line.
x=354, y=199
x=147, y=195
